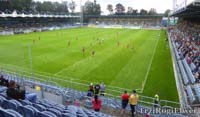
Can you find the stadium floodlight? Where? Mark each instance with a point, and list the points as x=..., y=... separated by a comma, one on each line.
x=174, y=5
x=81, y=13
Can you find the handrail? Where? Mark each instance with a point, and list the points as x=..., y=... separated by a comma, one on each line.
x=143, y=99
x=57, y=77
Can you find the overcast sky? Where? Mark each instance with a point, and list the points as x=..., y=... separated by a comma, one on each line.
x=160, y=5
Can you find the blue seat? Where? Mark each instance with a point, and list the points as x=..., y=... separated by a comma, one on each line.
x=25, y=102
x=2, y=111
x=8, y=114
x=46, y=114
x=9, y=105
x=39, y=107
x=11, y=113
x=183, y=73
x=58, y=108
x=72, y=109
x=12, y=104
x=192, y=66
x=16, y=102
x=54, y=111
x=70, y=112
x=3, y=89
x=197, y=91
x=29, y=111
x=3, y=95
x=81, y=113
x=68, y=115
x=66, y=111
x=189, y=71
x=45, y=104
x=2, y=100
x=190, y=94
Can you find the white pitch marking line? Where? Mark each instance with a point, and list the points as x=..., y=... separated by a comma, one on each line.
x=149, y=67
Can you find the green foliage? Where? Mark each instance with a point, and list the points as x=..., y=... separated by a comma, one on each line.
x=166, y=14
x=91, y=8
x=21, y=5
x=52, y=7
x=143, y=12
x=119, y=9
x=72, y=6
x=132, y=11
x=110, y=8
x=152, y=11
x=34, y=7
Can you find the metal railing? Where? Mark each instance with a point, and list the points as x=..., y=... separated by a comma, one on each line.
x=76, y=84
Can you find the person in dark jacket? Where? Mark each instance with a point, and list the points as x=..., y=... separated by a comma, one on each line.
x=3, y=81
x=14, y=92
x=97, y=88
x=17, y=92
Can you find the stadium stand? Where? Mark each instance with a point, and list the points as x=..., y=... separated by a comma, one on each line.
x=197, y=91
x=14, y=108
x=126, y=21
x=25, y=23
x=63, y=106
x=185, y=40
x=57, y=101
x=184, y=76
x=190, y=94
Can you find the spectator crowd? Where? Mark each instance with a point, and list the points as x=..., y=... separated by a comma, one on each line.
x=186, y=36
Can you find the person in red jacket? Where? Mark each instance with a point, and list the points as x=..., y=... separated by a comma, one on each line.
x=96, y=102
x=125, y=98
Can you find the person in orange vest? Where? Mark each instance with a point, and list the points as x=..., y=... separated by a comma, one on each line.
x=133, y=100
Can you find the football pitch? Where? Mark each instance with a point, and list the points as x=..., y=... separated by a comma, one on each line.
x=125, y=58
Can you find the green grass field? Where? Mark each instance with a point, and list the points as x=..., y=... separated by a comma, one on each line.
x=125, y=58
